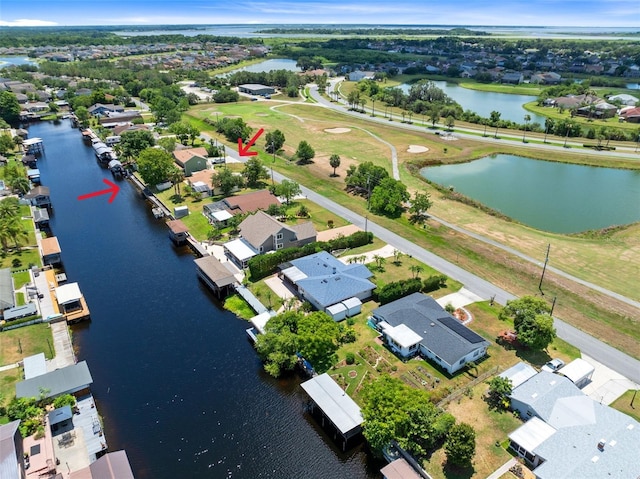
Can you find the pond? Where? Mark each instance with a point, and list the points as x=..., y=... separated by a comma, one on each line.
x=556, y=197
x=484, y=102
x=7, y=61
x=268, y=65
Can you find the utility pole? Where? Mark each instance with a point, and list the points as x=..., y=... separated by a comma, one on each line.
x=368, y=191
x=553, y=305
x=544, y=269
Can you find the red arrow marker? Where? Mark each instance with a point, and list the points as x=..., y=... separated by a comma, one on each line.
x=244, y=150
x=113, y=189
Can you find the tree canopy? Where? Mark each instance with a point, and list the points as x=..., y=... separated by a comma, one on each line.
x=274, y=141
x=287, y=189
x=154, y=165
x=226, y=180
x=9, y=107
x=393, y=410
x=254, y=172
x=388, y=197
x=420, y=204
x=305, y=153
x=499, y=391
x=531, y=321
x=133, y=142
x=315, y=336
x=460, y=446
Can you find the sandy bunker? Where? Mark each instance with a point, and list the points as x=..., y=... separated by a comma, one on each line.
x=337, y=130
x=417, y=149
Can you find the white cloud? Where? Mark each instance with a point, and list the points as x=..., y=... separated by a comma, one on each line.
x=27, y=22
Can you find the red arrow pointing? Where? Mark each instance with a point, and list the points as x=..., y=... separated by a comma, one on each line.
x=244, y=150
x=113, y=189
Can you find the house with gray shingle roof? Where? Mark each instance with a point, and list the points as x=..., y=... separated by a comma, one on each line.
x=417, y=324
x=570, y=435
x=265, y=233
x=325, y=281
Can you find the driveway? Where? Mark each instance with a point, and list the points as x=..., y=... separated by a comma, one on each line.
x=606, y=385
x=459, y=299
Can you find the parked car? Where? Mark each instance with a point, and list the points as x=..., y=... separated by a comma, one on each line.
x=553, y=365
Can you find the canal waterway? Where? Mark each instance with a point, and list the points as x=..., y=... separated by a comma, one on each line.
x=178, y=384
x=547, y=195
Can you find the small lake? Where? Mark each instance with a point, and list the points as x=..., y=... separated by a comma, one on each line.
x=484, y=102
x=7, y=61
x=633, y=86
x=268, y=65
x=546, y=195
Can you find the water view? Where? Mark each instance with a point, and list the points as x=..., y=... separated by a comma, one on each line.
x=556, y=197
x=483, y=102
x=7, y=61
x=177, y=382
x=268, y=65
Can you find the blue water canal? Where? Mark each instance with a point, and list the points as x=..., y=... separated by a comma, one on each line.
x=178, y=384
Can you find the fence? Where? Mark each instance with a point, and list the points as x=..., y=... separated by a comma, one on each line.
x=248, y=296
x=460, y=391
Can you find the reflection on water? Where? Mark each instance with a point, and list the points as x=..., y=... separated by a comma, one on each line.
x=547, y=195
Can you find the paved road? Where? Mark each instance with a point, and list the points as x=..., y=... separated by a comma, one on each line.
x=607, y=355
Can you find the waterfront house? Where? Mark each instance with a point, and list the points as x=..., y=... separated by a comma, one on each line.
x=100, y=109
x=631, y=115
x=512, y=77
x=417, y=324
x=191, y=159
x=29, y=161
x=325, y=281
x=264, y=233
x=240, y=252
x=241, y=204
x=51, y=252
x=569, y=435
x=39, y=196
x=341, y=412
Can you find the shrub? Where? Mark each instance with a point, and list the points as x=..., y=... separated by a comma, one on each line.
x=398, y=289
x=434, y=282
x=350, y=358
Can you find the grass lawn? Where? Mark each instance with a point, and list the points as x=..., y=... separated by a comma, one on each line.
x=239, y=306
x=623, y=404
x=8, y=381
x=25, y=256
x=20, y=299
x=21, y=278
x=18, y=343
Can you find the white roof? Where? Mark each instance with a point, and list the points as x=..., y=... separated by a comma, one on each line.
x=576, y=370
x=336, y=308
x=240, y=249
x=518, y=374
x=221, y=215
x=343, y=412
x=532, y=433
x=35, y=365
x=401, y=334
x=68, y=293
x=260, y=321
x=32, y=141
x=352, y=302
x=294, y=274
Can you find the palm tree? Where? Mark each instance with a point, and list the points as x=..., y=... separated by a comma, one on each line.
x=9, y=208
x=21, y=185
x=527, y=119
x=495, y=121
x=416, y=269
x=176, y=176
x=548, y=125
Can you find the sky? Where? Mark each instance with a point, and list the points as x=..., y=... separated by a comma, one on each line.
x=576, y=13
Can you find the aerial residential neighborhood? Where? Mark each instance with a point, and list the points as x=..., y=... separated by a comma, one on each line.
x=243, y=251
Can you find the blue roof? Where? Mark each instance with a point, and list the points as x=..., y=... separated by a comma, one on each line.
x=323, y=263
x=329, y=281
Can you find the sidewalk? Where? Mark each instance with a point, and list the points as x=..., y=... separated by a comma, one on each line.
x=498, y=473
